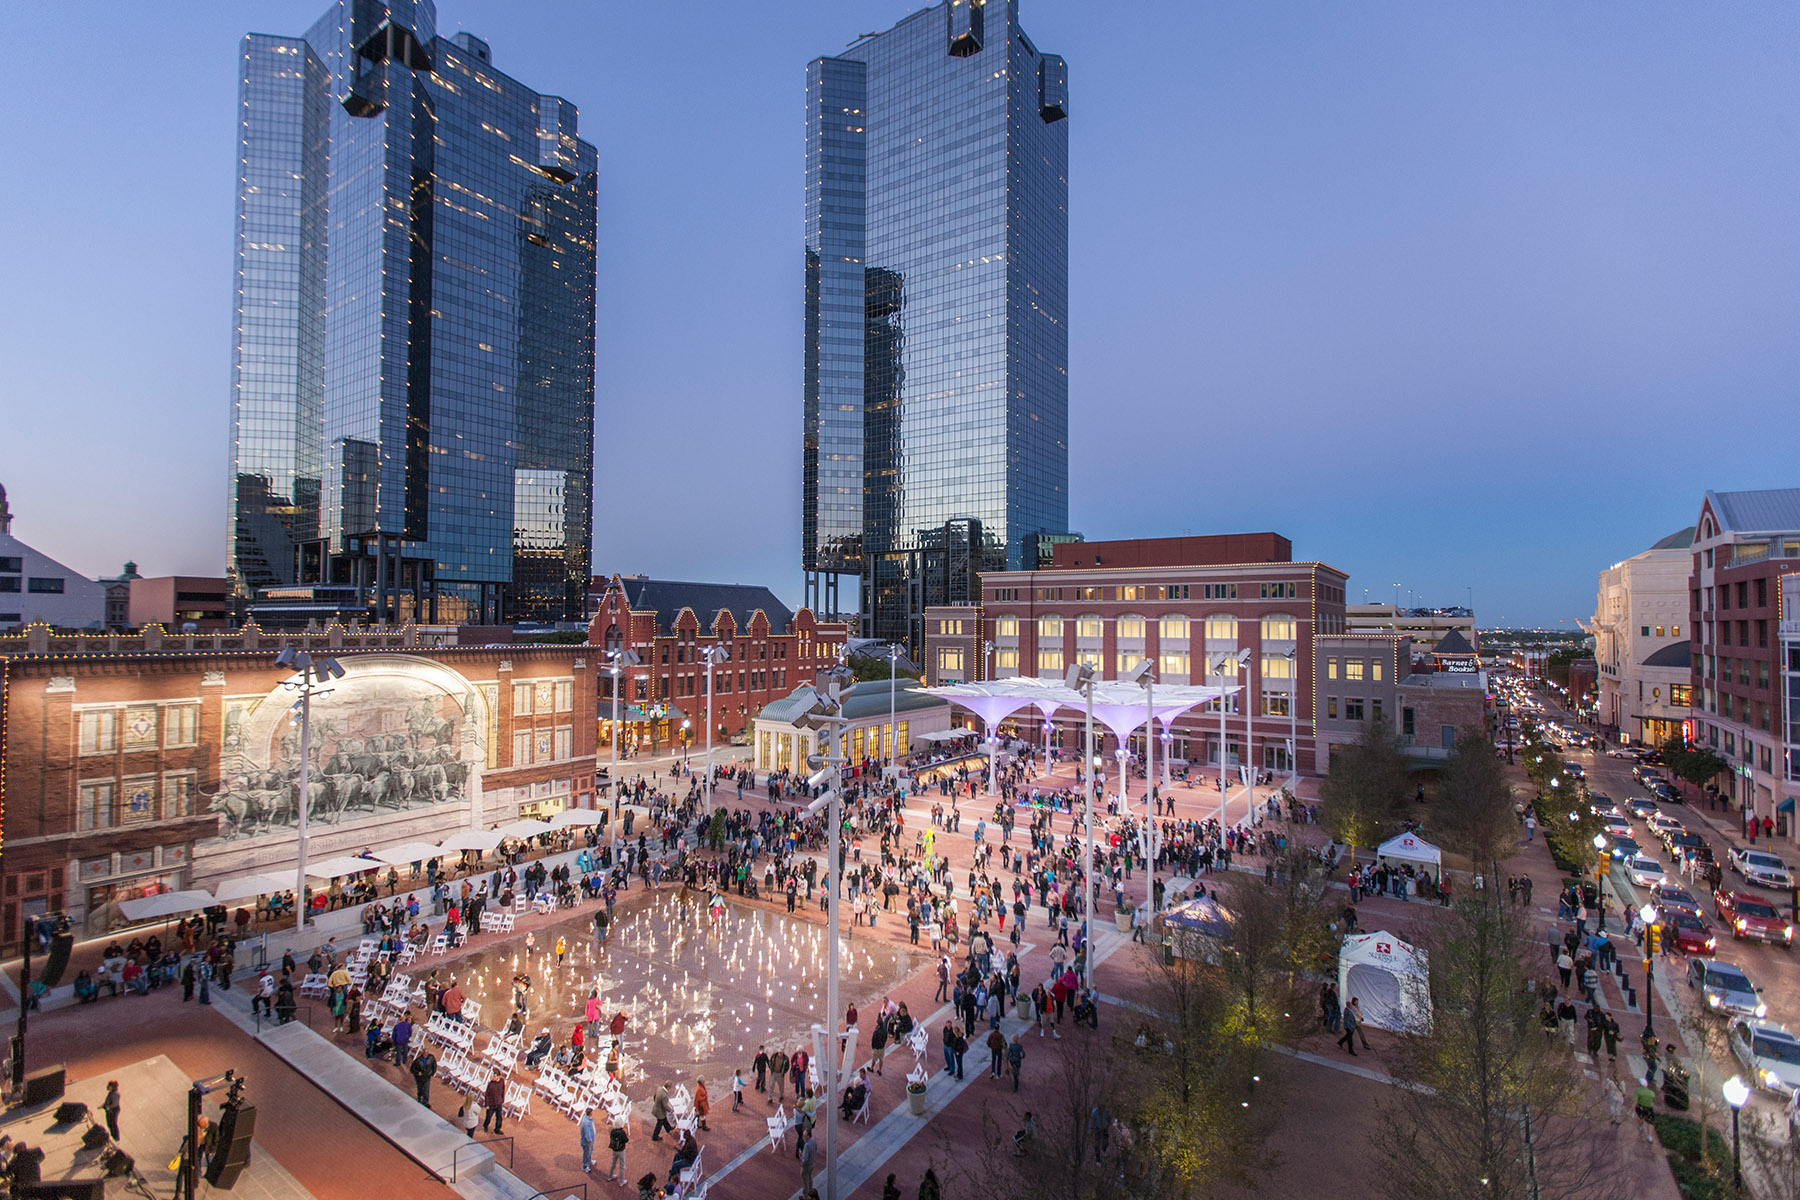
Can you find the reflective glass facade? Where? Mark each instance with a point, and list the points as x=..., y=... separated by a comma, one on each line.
x=936, y=367
x=416, y=320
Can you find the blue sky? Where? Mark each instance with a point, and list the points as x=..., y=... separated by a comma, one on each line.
x=1472, y=298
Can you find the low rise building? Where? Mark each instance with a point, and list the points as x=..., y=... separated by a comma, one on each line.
x=1192, y=605
x=1425, y=626
x=36, y=588
x=1369, y=676
x=135, y=764
x=177, y=601
x=668, y=623
x=886, y=723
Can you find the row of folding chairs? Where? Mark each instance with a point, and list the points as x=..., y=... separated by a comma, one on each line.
x=467, y=1075
x=502, y=1051
x=443, y=1030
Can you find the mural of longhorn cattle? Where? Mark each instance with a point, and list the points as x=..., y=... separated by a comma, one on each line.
x=380, y=744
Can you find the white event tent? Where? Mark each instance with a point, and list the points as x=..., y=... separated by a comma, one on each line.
x=1411, y=848
x=1389, y=979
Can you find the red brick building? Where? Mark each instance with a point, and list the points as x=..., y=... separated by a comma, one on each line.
x=136, y=764
x=1183, y=602
x=668, y=623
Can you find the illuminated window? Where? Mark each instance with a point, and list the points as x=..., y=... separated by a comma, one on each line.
x=1131, y=628
x=1375, y=669
x=1006, y=659
x=1331, y=668
x=1173, y=628
x=1221, y=627
x=950, y=658
x=1007, y=627
x=1353, y=668
x=1050, y=627
x=1274, y=666
x=1050, y=662
x=1275, y=704
x=1173, y=667
x=1279, y=627
x=1089, y=627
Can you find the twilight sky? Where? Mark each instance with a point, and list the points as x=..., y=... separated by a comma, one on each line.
x=1457, y=297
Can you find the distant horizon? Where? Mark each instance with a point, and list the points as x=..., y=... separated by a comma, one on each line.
x=1443, y=295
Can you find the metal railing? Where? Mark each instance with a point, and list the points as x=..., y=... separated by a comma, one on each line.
x=470, y=1145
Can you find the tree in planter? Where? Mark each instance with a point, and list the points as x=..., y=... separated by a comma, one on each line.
x=1365, y=787
x=1279, y=934
x=1488, y=1106
x=1474, y=811
x=1697, y=765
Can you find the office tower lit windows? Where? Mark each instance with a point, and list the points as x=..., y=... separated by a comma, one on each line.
x=936, y=367
x=413, y=374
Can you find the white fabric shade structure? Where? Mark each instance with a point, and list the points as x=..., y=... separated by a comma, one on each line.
x=1411, y=848
x=164, y=904
x=946, y=735
x=577, y=816
x=343, y=864
x=407, y=853
x=525, y=827
x=1389, y=979
x=473, y=839
x=248, y=887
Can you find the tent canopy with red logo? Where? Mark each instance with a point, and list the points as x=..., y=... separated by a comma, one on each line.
x=1411, y=848
x=1389, y=978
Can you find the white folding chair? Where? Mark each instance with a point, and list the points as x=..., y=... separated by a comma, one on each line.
x=691, y=1176
x=778, y=1128
x=862, y=1114
x=440, y=943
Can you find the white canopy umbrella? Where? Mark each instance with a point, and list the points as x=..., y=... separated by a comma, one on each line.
x=332, y=868
x=408, y=852
x=246, y=887
x=525, y=827
x=473, y=839
x=164, y=904
x=578, y=816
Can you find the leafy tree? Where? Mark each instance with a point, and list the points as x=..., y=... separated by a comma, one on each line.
x=1474, y=810
x=1488, y=1106
x=1365, y=787
x=1697, y=765
x=1279, y=939
x=864, y=667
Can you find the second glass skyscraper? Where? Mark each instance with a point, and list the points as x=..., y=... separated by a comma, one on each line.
x=413, y=375
x=936, y=366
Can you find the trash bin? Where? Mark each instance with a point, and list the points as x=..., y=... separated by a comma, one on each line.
x=1168, y=951
x=1675, y=1085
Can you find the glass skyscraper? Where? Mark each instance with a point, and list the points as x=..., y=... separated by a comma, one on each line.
x=413, y=377
x=936, y=366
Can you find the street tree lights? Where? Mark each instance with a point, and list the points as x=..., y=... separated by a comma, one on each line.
x=313, y=673
x=1737, y=1094
x=1080, y=678
x=712, y=656
x=618, y=662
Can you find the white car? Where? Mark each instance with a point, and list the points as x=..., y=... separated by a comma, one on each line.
x=1771, y=1053
x=1761, y=867
x=1617, y=826
x=1644, y=871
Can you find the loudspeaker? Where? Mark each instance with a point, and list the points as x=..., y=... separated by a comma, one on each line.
x=58, y=960
x=43, y=1086
x=236, y=1127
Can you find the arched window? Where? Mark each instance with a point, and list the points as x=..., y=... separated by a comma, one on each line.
x=1221, y=627
x=1173, y=628
x=1131, y=628
x=1280, y=627
x=1089, y=627
x=1050, y=627
x=1006, y=627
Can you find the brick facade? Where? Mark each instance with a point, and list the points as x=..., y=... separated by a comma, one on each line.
x=129, y=766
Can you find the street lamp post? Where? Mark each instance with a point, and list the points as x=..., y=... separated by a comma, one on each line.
x=687, y=737
x=827, y=714
x=1218, y=668
x=1737, y=1094
x=1080, y=678
x=893, y=734
x=1293, y=657
x=313, y=673
x=712, y=656
x=618, y=662
x=1647, y=915
x=1145, y=675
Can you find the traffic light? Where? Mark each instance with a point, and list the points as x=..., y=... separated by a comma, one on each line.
x=1653, y=938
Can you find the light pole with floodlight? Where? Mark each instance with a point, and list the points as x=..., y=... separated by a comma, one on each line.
x=712, y=656
x=1293, y=657
x=827, y=716
x=1145, y=676
x=1080, y=678
x=1242, y=659
x=618, y=662
x=893, y=737
x=313, y=673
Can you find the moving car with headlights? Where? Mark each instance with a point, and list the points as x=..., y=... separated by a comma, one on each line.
x=1641, y=807
x=1615, y=825
x=1769, y=1051
x=1625, y=847
x=1761, y=867
x=1673, y=896
x=1663, y=825
x=1644, y=871
x=1750, y=916
x=1689, y=932
x=1726, y=988
x=1665, y=791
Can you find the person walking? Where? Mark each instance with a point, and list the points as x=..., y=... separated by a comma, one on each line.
x=617, y=1139
x=586, y=1130
x=423, y=1068
x=493, y=1104
x=1015, y=1058
x=809, y=1155
x=110, y=1106
x=1352, y=1019
x=659, y=1111
x=778, y=1074
x=470, y=1113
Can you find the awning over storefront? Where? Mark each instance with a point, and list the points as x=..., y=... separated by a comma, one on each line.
x=1786, y=806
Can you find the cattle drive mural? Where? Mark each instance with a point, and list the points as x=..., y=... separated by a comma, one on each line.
x=383, y=743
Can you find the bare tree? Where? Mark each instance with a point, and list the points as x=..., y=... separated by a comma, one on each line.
x=1488, y=1105
x=1365, y=787
x=1474, y=810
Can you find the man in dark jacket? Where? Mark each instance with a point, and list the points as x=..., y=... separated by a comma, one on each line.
x=423, y=1068
x=493, y=1103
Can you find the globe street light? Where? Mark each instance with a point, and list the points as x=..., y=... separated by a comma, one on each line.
x=618, y=662
x=1647, y=915
x=1737, y=1093
x=712, y=656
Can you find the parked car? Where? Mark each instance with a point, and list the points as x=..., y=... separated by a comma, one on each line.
x=1726, y=988
x=1616, y=825
x=1749, y=916
x=1631, y=752
x=1644, y=871
x=1769, y=1051
x=1645, y=774
x=1760, y=867
x=1689, y=931
x=1665, y=791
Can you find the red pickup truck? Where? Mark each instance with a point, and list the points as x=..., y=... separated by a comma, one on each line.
x=1749, y=916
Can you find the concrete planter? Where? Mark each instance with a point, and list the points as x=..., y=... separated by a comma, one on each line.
x=915, y=1102
x=1122, y=919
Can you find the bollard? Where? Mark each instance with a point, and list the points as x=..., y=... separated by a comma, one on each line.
x=1631, y=997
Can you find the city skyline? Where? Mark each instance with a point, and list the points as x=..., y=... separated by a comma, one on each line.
x=1469, y=281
